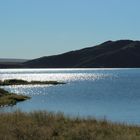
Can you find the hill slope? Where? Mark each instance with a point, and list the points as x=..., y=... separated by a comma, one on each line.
x=121, y=53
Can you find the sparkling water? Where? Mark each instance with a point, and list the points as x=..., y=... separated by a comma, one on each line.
x=110, y=93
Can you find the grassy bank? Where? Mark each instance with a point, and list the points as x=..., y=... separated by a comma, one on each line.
x=7, y=98
x=49, y=126
x=24, y=82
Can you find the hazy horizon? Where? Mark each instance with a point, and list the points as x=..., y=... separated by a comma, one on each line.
x=32, y=29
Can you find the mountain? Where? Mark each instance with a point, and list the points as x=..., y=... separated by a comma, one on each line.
x=110, y=54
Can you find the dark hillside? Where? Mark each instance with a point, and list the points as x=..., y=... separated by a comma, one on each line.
x=121, y=53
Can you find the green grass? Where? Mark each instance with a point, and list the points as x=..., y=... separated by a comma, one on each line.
x=23, y=82
x=49, y=126
x=7, y=98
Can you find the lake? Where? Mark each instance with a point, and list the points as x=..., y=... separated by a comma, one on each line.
x=110, y=93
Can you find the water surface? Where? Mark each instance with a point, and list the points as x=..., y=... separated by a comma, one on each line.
x=110, y=93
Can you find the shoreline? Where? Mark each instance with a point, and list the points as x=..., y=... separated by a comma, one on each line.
x=10, y=82
x=7, y=98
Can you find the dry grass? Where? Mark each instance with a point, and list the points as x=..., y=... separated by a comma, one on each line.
x=7, y=98
x=48, y=126
x=12, y=99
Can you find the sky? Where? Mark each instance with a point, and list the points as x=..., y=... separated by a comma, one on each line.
x=35, y=28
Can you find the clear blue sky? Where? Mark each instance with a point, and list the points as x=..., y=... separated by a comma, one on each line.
x=34, y=28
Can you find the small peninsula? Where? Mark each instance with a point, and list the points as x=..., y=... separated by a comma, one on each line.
x=7, y=98
x=11, y=82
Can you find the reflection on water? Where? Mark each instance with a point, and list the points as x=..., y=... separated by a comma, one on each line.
x=42, y=76
x=113, y=93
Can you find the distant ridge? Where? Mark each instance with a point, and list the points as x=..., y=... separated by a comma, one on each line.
x=11, y=60
x=11, y=63
x=110, y=54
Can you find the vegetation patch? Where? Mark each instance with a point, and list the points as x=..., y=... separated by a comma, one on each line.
x=49, y=126
x=7, y=98
x=24, y=82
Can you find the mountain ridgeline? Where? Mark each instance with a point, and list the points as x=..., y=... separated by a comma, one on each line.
x=110, y=54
